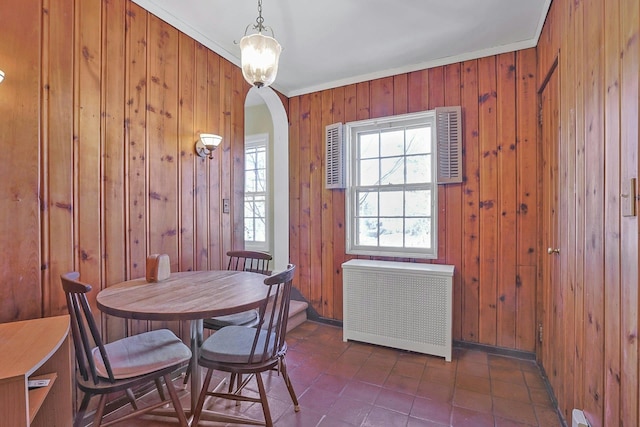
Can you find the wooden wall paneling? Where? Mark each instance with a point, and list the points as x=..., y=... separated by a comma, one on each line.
x=295, y=189
x=418, y=87
x=338, y=211
x=629, y=24
x=187, y=157
x=201, y=177
x=594, y=211
x=436, y=99
x=400, y=94
x=136, y=125
x=57, y=169
x=527, y=199
x=316, y=182
x=327, y=219
x=381, y=97
x=186, y=161
x=228, y=165
x=136, y=138
x=568, y=256
x=453, y=235
x=363, y=101
x=578, y=81
x=488, y=198
x=507, y=199
x=113, y=116
x=89, y=148
x=304, y=173
x=215, y=166
x=471, y=223
x=162, y=154
x=20, y=294
x=612, y=190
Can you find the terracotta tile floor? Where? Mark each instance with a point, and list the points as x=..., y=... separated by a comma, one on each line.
x=355, y=384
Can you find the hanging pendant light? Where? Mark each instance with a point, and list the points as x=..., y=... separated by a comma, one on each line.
x=259, y=54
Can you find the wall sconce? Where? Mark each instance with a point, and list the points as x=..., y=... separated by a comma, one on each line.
x=1, y=76
x=206, y=144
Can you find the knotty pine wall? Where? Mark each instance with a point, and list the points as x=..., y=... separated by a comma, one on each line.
x=101, y=107
x=590, y=352
x=102, y=121
x=487, y=225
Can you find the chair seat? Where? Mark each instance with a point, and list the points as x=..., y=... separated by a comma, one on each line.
x=246, y=318
x=232, y=344
x=141, y=354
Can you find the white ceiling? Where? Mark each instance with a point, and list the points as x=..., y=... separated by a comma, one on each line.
x=330, y=43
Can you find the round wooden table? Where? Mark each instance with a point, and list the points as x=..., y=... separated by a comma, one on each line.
x=188, y=295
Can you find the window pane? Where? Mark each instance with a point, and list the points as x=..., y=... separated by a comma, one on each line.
x=392, y=171
x=418, y=233
x=250, y=159
x=261, y=181
x=368, y=232
x=248, y=230
x=419, y=140
x=367, y=203
x=419, y=169
x=260, y=231
x=391, y=203
x=368, y=146
x=391, y=234
x=392, y=143
x=369, y=172
x=261, y=162
x=249, y=181
x=418, y=203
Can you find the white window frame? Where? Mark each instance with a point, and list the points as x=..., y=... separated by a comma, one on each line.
x=251, y=142
x=352, y=130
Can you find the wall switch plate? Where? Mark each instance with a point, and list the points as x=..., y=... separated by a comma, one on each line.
x=628, y=198
x=226, y=206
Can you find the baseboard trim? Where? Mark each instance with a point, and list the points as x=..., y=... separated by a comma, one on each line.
x=500, y=351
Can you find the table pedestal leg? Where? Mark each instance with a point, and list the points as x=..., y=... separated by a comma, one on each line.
x=196, y=342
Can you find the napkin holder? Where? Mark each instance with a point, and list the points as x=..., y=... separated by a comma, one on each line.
x=158, y=268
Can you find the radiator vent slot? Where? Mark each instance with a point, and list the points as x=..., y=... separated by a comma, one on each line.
x=402, y=305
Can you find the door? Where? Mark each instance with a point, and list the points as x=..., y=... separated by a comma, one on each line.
x=551, y=341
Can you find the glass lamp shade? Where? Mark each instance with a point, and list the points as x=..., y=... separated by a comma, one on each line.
x=210, y=140
x=259, y=57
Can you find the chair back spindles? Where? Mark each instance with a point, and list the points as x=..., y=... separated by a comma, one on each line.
x=273, y=315
x=253, y=261
x=83, y=326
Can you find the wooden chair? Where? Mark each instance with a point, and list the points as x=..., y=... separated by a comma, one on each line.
x=253, y=261
x=256, y=262
x=122, y=365
x=251, y=351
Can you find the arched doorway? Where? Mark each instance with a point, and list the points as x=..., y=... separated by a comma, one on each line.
x=280, y=169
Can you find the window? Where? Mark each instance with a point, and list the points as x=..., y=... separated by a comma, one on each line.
x=391, y=186
x=256, y=193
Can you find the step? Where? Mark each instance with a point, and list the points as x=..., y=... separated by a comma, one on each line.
x=297, y=313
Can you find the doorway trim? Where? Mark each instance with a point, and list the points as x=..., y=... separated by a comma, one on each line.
x=280, y=170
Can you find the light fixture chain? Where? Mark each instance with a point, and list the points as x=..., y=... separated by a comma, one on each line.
x=259, y=19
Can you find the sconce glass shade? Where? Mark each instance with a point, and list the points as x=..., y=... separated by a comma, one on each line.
x=1, y=76
x=259, y=56
x=206, y=144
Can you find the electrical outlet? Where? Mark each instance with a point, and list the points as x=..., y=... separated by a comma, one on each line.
x=226, y=206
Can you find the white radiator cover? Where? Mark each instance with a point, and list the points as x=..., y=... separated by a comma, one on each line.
x=399, y=304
